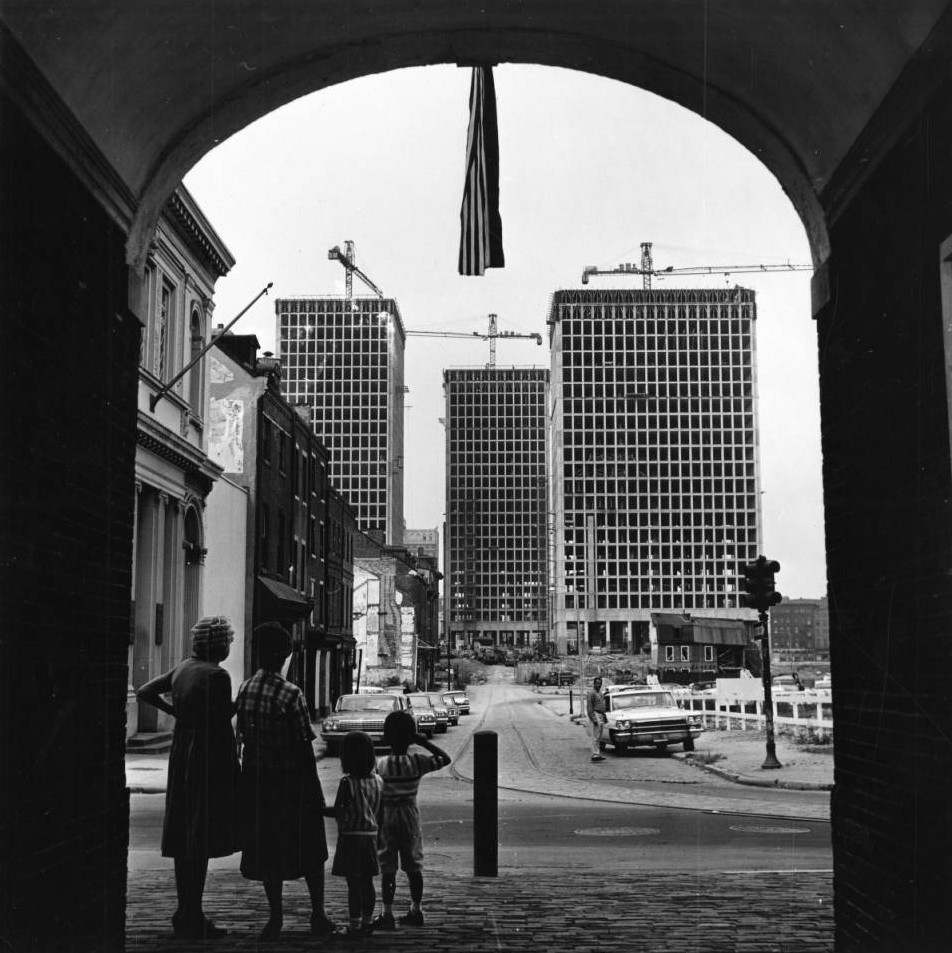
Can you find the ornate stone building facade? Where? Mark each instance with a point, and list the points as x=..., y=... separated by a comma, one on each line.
x=173, y=472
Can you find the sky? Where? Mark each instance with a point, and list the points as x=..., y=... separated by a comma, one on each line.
x=589, y=169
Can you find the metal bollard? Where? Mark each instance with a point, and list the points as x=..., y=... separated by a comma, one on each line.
x=485, y=804
x=570, y=701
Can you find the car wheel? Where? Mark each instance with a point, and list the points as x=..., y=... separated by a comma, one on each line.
x=620, y=750
x=443, y=729
x=661, y=747
x=429, y=734
x=332, y=748
x=688, y=744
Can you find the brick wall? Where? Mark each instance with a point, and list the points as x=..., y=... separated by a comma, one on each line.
x=888, y=519
x=67, y=449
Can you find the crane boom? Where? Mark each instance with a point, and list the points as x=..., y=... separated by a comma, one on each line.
x=492, y=335
x=647, y=269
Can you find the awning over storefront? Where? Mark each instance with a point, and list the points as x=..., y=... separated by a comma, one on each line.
x=281, y=602
x=320, y=638
x=683, y=630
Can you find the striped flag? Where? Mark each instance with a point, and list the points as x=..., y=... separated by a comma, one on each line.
x=480, y=244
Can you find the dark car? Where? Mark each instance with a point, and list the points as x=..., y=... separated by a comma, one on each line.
x=556, y=677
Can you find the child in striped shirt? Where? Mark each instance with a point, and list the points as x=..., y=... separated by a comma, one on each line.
x=356, y=807
x=400, y=837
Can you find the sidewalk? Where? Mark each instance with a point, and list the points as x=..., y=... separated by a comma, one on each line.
x=736, y=756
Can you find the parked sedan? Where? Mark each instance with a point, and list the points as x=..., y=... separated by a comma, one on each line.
x=452, y=709
x=359, y=713
x=423, y=711
x=461, y=699
x=441, y=710
x=646, y=717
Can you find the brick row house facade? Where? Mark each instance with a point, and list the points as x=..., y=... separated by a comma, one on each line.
x=299, y=569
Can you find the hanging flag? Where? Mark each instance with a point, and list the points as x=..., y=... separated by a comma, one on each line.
x=480, y=244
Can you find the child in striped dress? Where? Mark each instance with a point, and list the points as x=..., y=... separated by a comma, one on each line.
x=356, y=807
x=400, y=835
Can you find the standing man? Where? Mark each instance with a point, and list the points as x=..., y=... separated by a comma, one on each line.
x=595, y=709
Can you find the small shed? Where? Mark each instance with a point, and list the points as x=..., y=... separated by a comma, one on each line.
x=694, y=649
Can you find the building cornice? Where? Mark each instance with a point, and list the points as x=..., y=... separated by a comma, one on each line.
x=648, y=296
x=190, y=222
x=162, y=442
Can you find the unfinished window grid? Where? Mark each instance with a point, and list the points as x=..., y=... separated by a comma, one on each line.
x=496, y=502
x=658, y=415
x=336, y=358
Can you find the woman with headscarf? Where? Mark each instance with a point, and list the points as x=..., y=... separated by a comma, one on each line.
x=282, y=803
x=201, y=794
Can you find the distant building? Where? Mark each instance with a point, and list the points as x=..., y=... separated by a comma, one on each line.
x=423, y=542
x=343, y=360
x=395, y=614
x=800, y=629
x=173, y=472
x=655, y=490
x=496, y=588
x=298, y=566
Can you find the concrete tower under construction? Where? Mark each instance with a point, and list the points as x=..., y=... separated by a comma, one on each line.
x=342, y=359
x=496, y=585
x=655, y=469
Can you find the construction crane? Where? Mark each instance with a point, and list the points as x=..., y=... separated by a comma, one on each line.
x=646, y=269
x=348, y=259
x=492, y=335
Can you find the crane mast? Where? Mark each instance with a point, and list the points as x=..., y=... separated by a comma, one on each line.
x=348, y=259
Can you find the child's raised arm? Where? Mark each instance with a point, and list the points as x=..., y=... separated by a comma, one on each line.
x=434, y=750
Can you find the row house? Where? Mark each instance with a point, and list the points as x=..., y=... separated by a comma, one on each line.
x=297, y=564
x=173, y=473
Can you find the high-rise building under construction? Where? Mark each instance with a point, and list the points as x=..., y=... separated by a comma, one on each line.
x=496, y=585
x=655, y=458
x=342, y=359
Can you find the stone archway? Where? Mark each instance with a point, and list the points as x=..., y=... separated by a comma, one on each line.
x=601, y=57
x=846, y=104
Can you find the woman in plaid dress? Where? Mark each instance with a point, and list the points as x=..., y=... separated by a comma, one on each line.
x=282, y=804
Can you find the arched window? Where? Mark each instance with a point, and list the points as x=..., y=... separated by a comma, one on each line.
x=196, y=387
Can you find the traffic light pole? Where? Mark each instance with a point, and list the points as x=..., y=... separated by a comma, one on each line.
x=771, y=760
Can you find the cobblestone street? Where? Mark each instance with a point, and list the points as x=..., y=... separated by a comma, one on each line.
x=525, y=909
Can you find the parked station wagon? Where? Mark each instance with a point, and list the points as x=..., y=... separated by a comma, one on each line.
x=648, y=717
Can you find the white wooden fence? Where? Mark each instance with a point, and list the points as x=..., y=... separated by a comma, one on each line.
x=738, y=704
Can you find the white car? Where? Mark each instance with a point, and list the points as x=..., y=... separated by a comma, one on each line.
x=648, y=717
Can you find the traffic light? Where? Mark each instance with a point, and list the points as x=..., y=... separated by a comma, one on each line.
x=759, y=588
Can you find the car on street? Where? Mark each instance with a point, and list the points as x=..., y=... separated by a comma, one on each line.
x=461, y=699
x=452, y=709
x=441, y=709
x=420, y=706
x=647, y=717
x=363, y=712
x=558, y=677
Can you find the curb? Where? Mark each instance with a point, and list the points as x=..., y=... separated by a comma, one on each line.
x=759, y=782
